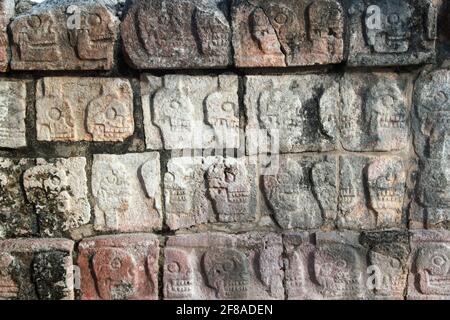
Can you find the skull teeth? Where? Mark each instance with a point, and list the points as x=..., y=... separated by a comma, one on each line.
x=391, y=121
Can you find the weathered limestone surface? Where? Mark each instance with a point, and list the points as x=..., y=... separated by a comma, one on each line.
x=189, y=112
x=374, y=115
x=90, y=109
x=13, y=104
x=177, y=34
x=391, y=33
x=127, y=194
x=372, y=192
x=304, y=193
x=300, y=110
x=287, y=33
x=119, y=267
x=16, y=216
x=209, y=189
x=430, y=265
x=6, y=13
x=218, y=266
x=431, y=127
x=57, y=189
x=65, y=35
x=36, y=269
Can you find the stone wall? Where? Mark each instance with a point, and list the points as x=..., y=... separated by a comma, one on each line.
x=215, y=149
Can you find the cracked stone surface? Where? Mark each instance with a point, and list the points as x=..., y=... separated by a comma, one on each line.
x=84, y=109
x=212, y=266
x=177, y=34
x=287, y=33
x=127, y=192
x=119, y=267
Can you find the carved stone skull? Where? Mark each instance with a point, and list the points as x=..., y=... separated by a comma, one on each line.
x=229, y=189
x=174, y=116
x=387, y=26
x=393, y=276
x=433, y=269
x=386, y=113
x=116, y=273
x=263, y=32
x=386, y=182
x=178, y=274
x=227, y=273
x=337, y=269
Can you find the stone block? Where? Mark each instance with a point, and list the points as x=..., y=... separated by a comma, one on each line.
x=189, y=112
x=210, y=189
x=210, y=266
x=372, y=192
x=388, y=254
x=287, y=33
x=119, y=267
x=299, y=110
x=7, y=11
x=57, y=189
x=325, y=266
x=126, y=190
x=16, y=215
x=13, y=105
x=84, y=109
x=36, y=269
x=65, y=35
x=375, y=112
x=429, y=265
x=303, y=193
x=177, y=34
x=391, y=33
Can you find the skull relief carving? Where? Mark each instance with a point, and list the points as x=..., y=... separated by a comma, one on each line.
x=178, y=274
x=8, y=287
x=229, y=189
x=386, y=181
x=227, y=273
x=115, y=271
x=433, y=269
x=393, y=276
x=387, y=26
x=173, y=114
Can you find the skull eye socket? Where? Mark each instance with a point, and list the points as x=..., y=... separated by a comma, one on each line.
x=116, y=264
x=111, y=113
x=34, y=22
x=387, y=100
x=440, y=97
x=175, y=105
x=394, y=18
x=173, y=267
x=228, y=266
x=111, y=179
x=341, y=264
x=439, y=260
x=395, y=263
x=227, y=107
x=55, y=181
x=281, y=18
x=55, y=114
x=94, y=20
